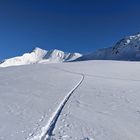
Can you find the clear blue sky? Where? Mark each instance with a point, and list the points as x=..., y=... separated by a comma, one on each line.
x=69, y=25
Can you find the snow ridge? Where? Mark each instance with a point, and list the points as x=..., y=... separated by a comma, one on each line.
x=47, y=130
x=39, y=55
x=127, y=48
x=28, y=58
x=56, y=56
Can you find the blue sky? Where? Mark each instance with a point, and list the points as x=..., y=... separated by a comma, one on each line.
x=69, y=25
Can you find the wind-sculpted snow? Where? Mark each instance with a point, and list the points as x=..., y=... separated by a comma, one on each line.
x=106, y=105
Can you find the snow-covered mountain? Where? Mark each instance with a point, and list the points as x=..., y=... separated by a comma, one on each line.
x=40, y=56
x=127, y=48
x=59, y=56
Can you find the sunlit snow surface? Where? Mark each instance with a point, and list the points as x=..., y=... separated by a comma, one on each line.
x=39, y=55
x=106, y=106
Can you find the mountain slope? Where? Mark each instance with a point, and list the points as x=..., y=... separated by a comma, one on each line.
x=40, y=56
x=60, y=56
x=106, y=106
x=28, y=96
x=127, y=48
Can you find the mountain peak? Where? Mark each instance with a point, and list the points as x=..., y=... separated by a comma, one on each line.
x=60, y=56
x=39, y=55
x=56, y=50
x=127, y=48
x=37, y=49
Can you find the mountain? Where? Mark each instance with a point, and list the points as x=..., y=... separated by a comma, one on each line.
x=59, y=56
x=127, y=48
x=39, y=55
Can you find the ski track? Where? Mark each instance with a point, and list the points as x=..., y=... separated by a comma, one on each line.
x=47, y=130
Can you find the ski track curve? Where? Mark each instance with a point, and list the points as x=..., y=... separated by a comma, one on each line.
x=47, y=130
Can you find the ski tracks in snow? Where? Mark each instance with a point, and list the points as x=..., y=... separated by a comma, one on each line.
x=47, y=130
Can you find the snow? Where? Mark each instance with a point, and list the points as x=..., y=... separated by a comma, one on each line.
x=39, y=55
x=60, y=56
x=127, y=48
x=27, y=58
x=47, y=130
x=28, y=96
x=106, y=106
x=103, y=106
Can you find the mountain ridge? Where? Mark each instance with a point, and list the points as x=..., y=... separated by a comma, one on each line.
x=127, y=48
x=39, y=55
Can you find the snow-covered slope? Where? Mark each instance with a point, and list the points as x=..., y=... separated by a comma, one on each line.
x=28, y=58
x=59, y=56
x=40, y=56
x=127, y=48
x=28, y=96
x=104, y=105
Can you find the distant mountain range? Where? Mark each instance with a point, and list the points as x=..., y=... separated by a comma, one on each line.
x=40, y=56
x=127, y=48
